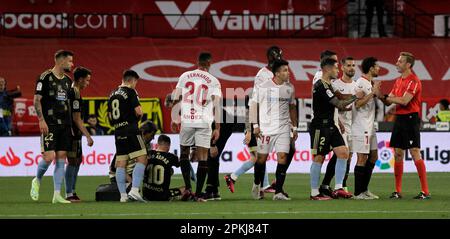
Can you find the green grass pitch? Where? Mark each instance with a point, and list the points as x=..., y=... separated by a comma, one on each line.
x=15, y=201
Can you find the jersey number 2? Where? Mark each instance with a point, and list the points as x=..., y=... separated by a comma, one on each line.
x=202, y=91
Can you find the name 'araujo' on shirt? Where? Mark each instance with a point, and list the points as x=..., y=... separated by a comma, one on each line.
x=274, y=101
x=198, y=88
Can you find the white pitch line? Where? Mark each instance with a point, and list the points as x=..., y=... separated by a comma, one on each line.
x=218, y=213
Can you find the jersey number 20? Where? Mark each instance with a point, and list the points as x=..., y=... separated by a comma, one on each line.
x=202, y=91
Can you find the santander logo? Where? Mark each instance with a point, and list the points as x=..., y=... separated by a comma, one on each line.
x=10, y=159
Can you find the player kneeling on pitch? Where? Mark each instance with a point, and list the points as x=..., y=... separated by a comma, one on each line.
x=276, y=113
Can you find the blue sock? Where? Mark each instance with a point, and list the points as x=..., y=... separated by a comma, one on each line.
x=75, y=176
x=58, y=174
x=341, y=167
x=70, y=171
x=42, y=168
x=315, y=174
x=121, y=179
x=244, y=168
x=138, y=175
x=266, y=179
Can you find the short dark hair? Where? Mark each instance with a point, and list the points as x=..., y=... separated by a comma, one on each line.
x=326, y=54
x=277, y=64
x=147, y=127
x=204, y=57
x=327, y=62
x=163, y=139
x=367, y=63
x=128, y=74
x=445, y=103
x=63, y=54
x=81, y=72
x=272, y=49
x=92, y=116
x=348, y=58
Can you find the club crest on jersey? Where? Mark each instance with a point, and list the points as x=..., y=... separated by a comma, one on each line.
x=329, y=93
x=39, y=86
x=76, y=104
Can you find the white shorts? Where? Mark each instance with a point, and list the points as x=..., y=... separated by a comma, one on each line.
x=364, y=143
x=348, y=141
x=281, y=142
x=200, y=137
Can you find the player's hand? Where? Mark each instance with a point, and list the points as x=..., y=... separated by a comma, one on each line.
x=174, y=126
x=90, y=141
x=248, y=137
x=359, y=94
x=257, y=132
x=213, y=152
x=295, y=135
x=43, y=127
x=215, y=135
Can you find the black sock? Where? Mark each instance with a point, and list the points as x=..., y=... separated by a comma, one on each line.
x=202, y=171
x=359, y=179
x=368, y=174
x=280, y=176
x=347, y=170
x=212, y=183
x=260, y=170
x=329, y=174
x=290, y=155
x=185, y=166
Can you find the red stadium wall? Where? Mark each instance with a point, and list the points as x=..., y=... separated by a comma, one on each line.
x=161, y=61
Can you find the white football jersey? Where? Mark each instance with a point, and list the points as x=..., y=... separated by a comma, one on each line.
x=348, y=89
x=317, y=77
x=274, y=101
x=197, y=88
x=364, y=117
x=263, y=75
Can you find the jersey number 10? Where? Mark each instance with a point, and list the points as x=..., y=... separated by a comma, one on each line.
x=156, y=175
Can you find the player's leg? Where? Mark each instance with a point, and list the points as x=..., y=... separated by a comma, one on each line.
x=349, y=161
x=359, y=175
x=421, y=171
x=48, y=145
x=73, y=163
x=282, y=146
x=202, y=137
x=264, y=148
x=329, y=174
x=62, y=138
x=121, y=163
x=370, y=164
x=399, y=155
x=341, y=151
x=320, y=147
x=138, y=152
x=186, y=141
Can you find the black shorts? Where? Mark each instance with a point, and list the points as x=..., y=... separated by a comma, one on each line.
x=406, y=132
x=75, y=150
x=324, y=139
x=150, y=195
x=129, y=146
x=57, y=139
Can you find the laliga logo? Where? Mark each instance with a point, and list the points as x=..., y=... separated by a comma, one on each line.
x=385, y=156
x=178, y=20
x=10, y=159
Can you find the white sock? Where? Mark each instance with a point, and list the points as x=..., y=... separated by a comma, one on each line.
x=135, y=190
x=123, y=195
x=337, y=186
x=234, y=176
x=314, y=192
x=69, y=194
x=57, y=192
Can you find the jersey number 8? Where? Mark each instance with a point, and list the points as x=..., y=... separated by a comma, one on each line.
x=115, y=109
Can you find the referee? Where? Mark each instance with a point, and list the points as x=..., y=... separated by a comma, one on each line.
x=407, y=94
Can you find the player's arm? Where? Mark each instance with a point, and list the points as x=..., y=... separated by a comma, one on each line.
x=253, y=116
x=404, y=100
x=176, y=97
x=38, y=105
x=80, y=125
x=363, y=101
x=342, y=104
